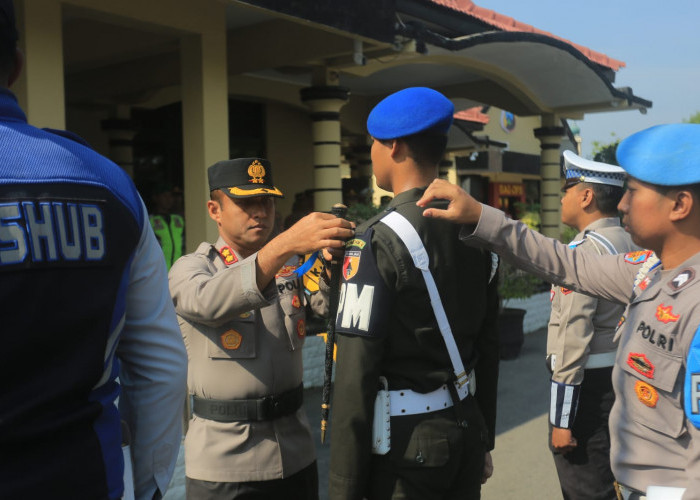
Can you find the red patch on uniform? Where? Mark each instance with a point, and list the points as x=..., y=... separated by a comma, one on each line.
x=641, y=364
x=286, y=271
x=296, y=302
x=551, y=295
x=228, y=256
x=638, y=257
x=301, y=328
x=645, y=283
x=621, y=322
x=646, y=393
x=566, y=291
x=351, y=263
x=665, y=314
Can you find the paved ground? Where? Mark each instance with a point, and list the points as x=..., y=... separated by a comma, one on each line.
x=523, y=464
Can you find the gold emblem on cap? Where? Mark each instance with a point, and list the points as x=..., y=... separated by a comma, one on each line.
x=257, y=172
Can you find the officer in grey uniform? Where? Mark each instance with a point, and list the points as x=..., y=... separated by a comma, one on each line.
x=655, y=420
x=241, y=309
x=580, y=346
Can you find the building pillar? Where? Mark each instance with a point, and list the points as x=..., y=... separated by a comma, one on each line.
x=325, y=103
x=550, y=136
x=121, y=131
x=40, y=89
x=204, y=124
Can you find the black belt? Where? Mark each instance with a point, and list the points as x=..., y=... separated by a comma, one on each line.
x=242, y=410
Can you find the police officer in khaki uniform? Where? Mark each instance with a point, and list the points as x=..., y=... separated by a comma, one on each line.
x=240, y=307
x=441, y=419
x=580, y=346
x=655, y=420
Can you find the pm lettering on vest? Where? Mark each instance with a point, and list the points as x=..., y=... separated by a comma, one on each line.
x=51, y=232
x=355, y=309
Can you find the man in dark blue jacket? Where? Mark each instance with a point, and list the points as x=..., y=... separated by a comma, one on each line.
x=85, y=311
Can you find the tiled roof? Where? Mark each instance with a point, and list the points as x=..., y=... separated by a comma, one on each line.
x=506, y=23
x=472, y=115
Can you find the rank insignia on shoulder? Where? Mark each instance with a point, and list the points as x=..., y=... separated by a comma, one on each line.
x=646, y=393
x=638, y=257
x=285, y=271
x=682, y=279
x=665, y=314
x=231, y=340
x=565, y=291
x=351, y=263
x=301, y=328
x=641, y=364
x=228, y=256
x=356, y=243
x=296, y=302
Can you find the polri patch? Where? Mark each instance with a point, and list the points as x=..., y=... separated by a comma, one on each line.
x=286, y=271
x=351, y=264
x=638, y=257
x=646, y=393
x=228, y=256
x=665, y=314
x=641, y=364
x=231, y=340
x=682, y=279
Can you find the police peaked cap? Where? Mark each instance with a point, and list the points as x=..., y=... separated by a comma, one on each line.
x=579, y=169
x=411, y=111
x=243, y=178
x=665, y=155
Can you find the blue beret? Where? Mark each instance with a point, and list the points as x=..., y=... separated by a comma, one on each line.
x=665, y=155
x=410, y=111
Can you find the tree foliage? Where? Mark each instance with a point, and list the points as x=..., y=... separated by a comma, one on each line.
x=605, y=153
x=694, y=118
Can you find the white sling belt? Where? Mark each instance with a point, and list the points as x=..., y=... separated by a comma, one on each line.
x=407, y=402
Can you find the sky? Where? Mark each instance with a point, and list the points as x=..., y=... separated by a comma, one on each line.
x=658, y=41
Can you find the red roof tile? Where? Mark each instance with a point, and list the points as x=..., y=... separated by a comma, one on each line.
x=472, y=115
x=506, y=23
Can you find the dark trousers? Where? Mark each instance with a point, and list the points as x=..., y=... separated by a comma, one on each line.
x=432, y=457
x=584, y=473
x=300, y=486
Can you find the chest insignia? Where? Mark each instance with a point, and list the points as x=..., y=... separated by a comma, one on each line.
x=637, y=257
x=231, y=340
x=351, y=264
x=665, y=314
x=296, y=302
x=682, y=279
x=286, y=271
x=356, y=243
x=646, y=393
x=644, y=283
x=228, y=256
x=640, y=363
x=565, y=291
x=301, y=328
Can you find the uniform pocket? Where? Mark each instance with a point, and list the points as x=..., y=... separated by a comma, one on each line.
x=653, y=387
x=428, y=444
x=235, y=340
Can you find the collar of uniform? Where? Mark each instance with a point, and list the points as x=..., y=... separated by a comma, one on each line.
x=413, y=195
x=601, y=223
x=9, y=109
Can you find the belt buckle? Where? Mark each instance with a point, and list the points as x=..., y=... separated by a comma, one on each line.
x=266, y=406
x=462, y=379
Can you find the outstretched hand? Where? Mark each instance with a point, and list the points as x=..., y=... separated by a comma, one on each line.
x=462, y=208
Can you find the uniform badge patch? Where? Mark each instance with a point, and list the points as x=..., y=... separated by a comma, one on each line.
x=231, y=340
x=296, y=302
x=638, y=257
x=228, y=256
x=565, y=291
x=640, y=363
x=644, y=283
x=356, y=243
x=682, y=279
x=646, y=393
x=351, y=263
x=286, y=271
x=301, y=328
x=665, y=314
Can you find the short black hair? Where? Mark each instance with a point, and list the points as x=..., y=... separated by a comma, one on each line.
x=607, y=197
x=426, y=149
x=693, y=188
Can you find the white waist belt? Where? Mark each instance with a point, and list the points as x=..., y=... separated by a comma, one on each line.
x=600, y=360
x=408, y=402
